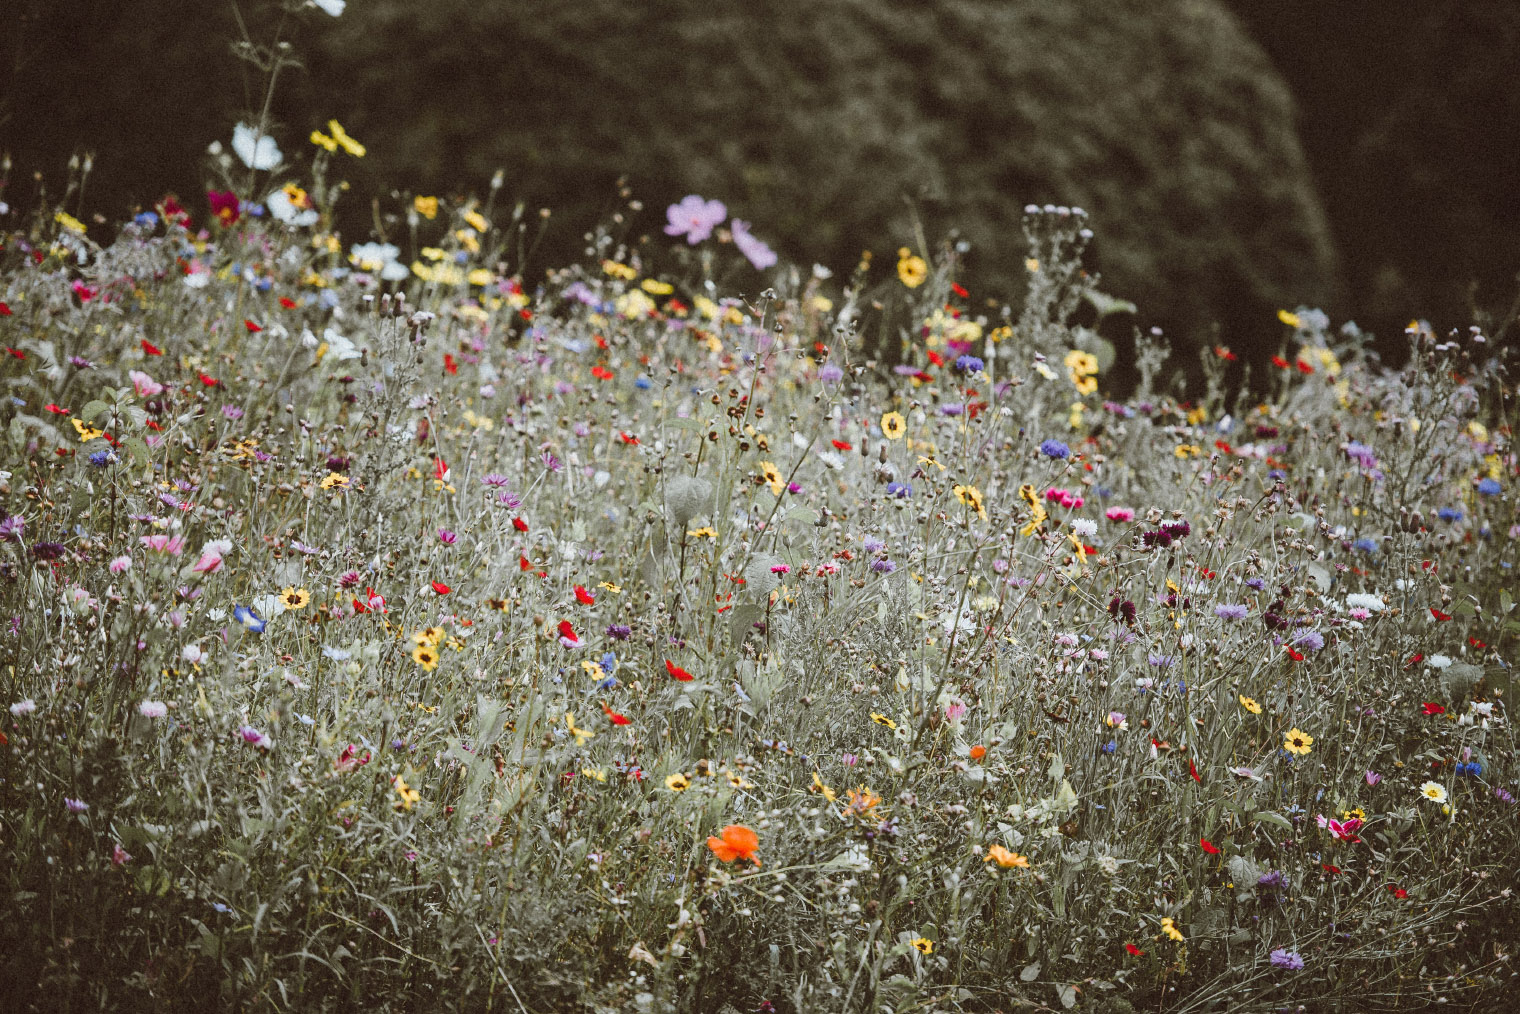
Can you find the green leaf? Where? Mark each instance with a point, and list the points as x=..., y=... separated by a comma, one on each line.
x=1268, y=817
x=93, y=409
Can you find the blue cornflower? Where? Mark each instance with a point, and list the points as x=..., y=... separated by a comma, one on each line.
x=1160, y=661
x=100, y=459
x=969, y=364
x=1277, y=474
x=1449, y=514
x=1490, y=487
x=901, y=490
x=1110, y=746
x=1284, y=958
x=1310, y=640
x=1365, y=544
x=1231, y=611
x=1055, y=449
x=883, y=566
x=643, y=383
x=248, y=618
x=1256, y=583
x=829, y=373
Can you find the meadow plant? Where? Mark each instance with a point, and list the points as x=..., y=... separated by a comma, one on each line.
x=388, y=629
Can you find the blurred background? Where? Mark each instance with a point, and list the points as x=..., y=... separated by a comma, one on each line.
x=1236, y=156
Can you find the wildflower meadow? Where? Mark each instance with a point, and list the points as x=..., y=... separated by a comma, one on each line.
x=383, y=627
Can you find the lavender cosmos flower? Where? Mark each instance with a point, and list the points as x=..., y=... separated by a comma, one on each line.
x=756, y=252
x=694, y=218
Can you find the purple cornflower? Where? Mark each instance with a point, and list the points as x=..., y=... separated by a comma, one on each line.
x=508, y=499
x=883, y=566
x=1055, y=449
x=1273, y=879
x=47, y=550
x=756, y=252
x=872, y=544
x=1310, y=640
x=550, y=461
x=81, y=362
x=619, y=631
x=232, y=412
x=1230, y=611
x=75, y=805
x=446, y=537
x=11, y=528
x=694, y=218
x=1503, y=795
x=1160, y=661
x=1255, y=582
x=901, y=490
x=971, y=364
x=1284, y=958
x=830, y=373
x=493, y=479
x=1360, y=453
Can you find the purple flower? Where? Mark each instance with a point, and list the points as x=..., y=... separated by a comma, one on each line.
x=1055, y=449
x=694, y=218
x=232, y=412
x=81, y=362
x=47, y=550
x=551, y=462
x=971, y=364
x=1503, y=795
x=75, y=805
x=1160, y=661
x=1310, y=640
x=883, y=566
x=495, y=479
x=1284, y=958
x=1273, y=879
x=619, y=631
x=446, y=537
x=1230, y=611
x=830, y=374
x=11, y=528
x=758, y=254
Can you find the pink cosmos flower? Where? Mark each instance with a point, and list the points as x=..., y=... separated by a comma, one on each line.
x=211, y=556
x=145, y=385
x=119, y=855
x=694, y=218
x=171, y=544
x=758, y=254
x=1341, y=830
x=120, y=564
x=1372, y=777
x=1120, y=514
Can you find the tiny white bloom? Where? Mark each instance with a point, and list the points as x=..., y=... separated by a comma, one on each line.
x=285, y=210
x=339, y=347
x=1084, y=527
x=1438, y=661
x=153, y=709
x=333, y=7
x=25, y=707
x=258, y=151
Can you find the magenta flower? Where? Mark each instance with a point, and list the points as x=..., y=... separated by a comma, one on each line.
x=758, y=254
x=171, y=544
x=119, y=855
x=1372, y=778
x=694, y=218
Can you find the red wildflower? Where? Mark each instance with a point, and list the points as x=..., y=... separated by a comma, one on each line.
x=614, y=717
x=440, y=469
x=287, y=302
x=1476, y=643
x=677, y=672
x=15, y=352
x=209, y=381
x=1398, y=892
x=1413, y=659
x=567, y=631
x=1193, y=770
x=1304, y=367
x=5, y=311
x=736, y=842
x=1208, y=846
x=441, y=588
x=628, y=438
x=1224, y=353
x=840, y=445
x=601, y=373
x=151, y=349
x=55, y=409
x=252, y=327
x=449, y=365
x=959, y=290
x=1440, y=616
x=523, y=564
x=1134, y=951
x=1431, y=708
x=520, y=524
x=584, y=597
x=1330, y=869
x=1294, y=655
x=1279, y=362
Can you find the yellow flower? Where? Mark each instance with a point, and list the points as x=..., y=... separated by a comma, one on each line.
x=595, y=773
x=893, y=425
x=1249, y=703
x=348, y=144
x=656, y=288
x=861, y=802
x=480, y=276
x=881, y=719
x=581, y=735
x=427, y=207
x=911, y=268
x=1290, y=319
x=971, y=497
x=86, y=431
x=705, y=532
x=923, y=945
x=678, y=782
x=773, y=477
x=622, y=271
x=408, y=794
x=1298, y=742
x=1170, y=928
x=335, y=481
x=1187, y=451
x=819, y=785
x=1081, y=363
x=1434, y=791
x=1032, y=264
x=426, y=656
x=613, y=588
x=69, y=222
x=1005, y=859
x=429, y=636
x=476, y=221
x=321, y=140
x=1085, y=385
x=295, y=598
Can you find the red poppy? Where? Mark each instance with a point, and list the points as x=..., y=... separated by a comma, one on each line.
x=1428, y=565
x=5, y=311
x=209, y=381
x=55, y=409
x=1440, y=616
x=1330, y=869
x=1279, y=362
x=1431, y=708
x=628, y=438
x=614, y=717
x=1294, y=655
x=936, y=358
x=441, y=588
x=151, y=349
x=287, y=302
x=840, y=445
x=1476, y=643
x=252, y=327
x=1398, y=892
x=1414, y=659
x=567, y=631
x=1209, y=846
x=1304, y=367
x=15, y=352
x=737, y=842
x=1193, y=770
x=1224, y=353
x=440, y=469
x=449, y=365
x=523, y=564
x=584, y=597
x=677, y=672
x=601, y=373
x=959, y=290
x=520, y=524
x=1134, y=951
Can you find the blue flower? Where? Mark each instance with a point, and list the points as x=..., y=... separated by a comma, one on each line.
x=643, y=383
x=248, y=618
x=100, y=459
x=1449, y=514
x=1365, y=544
x=969, y=364
x=1489, y=487
x=1055, y=449
x=1310, y=640
x=1110, y=746
x=901, y=490
x=1277, y=474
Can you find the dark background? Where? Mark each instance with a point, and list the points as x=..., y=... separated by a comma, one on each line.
x=1237, y=155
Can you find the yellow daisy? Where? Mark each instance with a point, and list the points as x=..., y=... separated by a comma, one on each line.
x=1298, y=742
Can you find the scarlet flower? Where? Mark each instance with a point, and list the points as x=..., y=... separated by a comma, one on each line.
x=735, y=842
x=1439, y=615
x=55, y=409
x=614, y=717
x=1294, y=655
x=1432, y=708
x=978, y=752
x=1224, y=353
x=567, y=631
x=840, y=445
x=1279, y=362
x=1193, y=770
x=5, y=311
x=440, y=469
x=1209, y=846
x=584, y=597
x=677, y=672
x=1330, y=869
x=151, y=349
x=959, y=290
x=440, y=588
x=628, y=438
x=252, y=327
x=520, y=524
x=449, y=365
x=601, y=373
x=209, y=381
x=15, y=352
x=1134, y=951
x=287, y=302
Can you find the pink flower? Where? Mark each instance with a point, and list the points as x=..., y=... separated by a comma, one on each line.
x=153, y=709
x=1120, y=514
x=119, y=855
x=954, y=711
x=1341, y=830
x=694, y=218
x=1372, y=777
x=171, y=544
x=146, y=386
x=120, y=564
x=758, y=254
x=211, y=556
x=254, y=737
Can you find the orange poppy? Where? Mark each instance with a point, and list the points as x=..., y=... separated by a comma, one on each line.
x=735, y=842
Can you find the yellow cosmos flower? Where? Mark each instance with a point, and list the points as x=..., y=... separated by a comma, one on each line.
x=1005, y=859
x=893, y=425
x=881, y=719
x=582, y=736
x=923, y=945
x=1081, y=363
x=705, y=532
x=1249, y=703
x=1298, y=742
x=429, y=636
x=426, y=656
x=911, y=269
x=347, y=143
x=971, y=497
x=295, y=598
x=1170, y=928
x=476, y=221
x=335, y=481
x=408, y=794
x=773, y=477
x=678, y=782
x=86, y=431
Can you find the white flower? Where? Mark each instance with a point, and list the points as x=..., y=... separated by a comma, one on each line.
x=1084, y=528
x=258, y=151
x=285, y=210
x=25, y=707
x=153, y=709
x=268, y=606
x=333, y=7
x=1363, y=600
x=1434, y=791
x=831, y=459
x=1438, y=661
x=192, y=653
x=339, y=347
x=381, y=258
x=198, y=279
